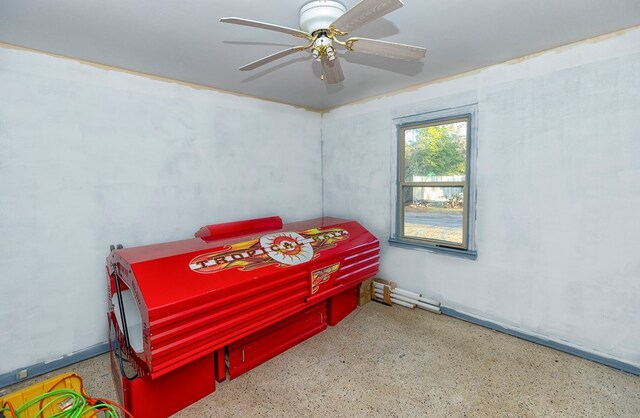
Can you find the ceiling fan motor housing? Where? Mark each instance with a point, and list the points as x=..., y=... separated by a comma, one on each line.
x=317, y=15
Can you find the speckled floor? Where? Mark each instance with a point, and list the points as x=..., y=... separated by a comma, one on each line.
x=392, y=361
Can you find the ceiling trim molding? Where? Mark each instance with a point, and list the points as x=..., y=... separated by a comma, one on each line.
x=152, y=76
x=414, y=87
x=511, y=61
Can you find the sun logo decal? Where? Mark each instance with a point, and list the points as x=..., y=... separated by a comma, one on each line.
x=288, y=248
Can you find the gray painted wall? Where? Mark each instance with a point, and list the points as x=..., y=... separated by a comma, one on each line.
x=557, y=132
x=90, y=157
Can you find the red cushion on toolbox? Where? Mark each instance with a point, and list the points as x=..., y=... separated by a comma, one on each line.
x=236, y=229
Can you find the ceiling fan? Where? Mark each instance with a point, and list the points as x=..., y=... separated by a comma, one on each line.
x=322, y=22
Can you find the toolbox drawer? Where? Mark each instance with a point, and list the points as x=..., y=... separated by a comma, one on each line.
x=261, y=346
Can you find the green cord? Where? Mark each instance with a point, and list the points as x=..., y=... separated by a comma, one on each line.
x=77, y=409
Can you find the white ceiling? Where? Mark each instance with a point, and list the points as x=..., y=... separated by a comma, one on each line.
x=183, y=40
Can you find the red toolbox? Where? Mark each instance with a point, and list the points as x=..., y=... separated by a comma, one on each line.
x=255, y=287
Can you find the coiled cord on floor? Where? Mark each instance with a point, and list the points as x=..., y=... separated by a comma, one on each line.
x=73, y=404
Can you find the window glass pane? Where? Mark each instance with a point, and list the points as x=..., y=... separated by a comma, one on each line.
x=436, y=153
x=434, y=213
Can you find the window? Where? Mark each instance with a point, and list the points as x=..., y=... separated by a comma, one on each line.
x=435, y=197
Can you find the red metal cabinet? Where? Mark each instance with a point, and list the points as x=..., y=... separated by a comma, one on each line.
x=252, y=288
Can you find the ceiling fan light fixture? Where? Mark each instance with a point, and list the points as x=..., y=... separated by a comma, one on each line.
x=331, y=53
x=319, y=14
x=322, y=22
x=323, y=47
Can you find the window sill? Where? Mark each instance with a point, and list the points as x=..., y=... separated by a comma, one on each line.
x=471, y=255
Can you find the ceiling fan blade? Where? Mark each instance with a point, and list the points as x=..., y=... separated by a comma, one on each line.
x=262, y=61
x=364, y=12
x=386, y=49
x=332, y=71
x=262, y=25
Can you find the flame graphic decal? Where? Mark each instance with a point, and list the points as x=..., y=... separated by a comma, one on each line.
x=280, y=248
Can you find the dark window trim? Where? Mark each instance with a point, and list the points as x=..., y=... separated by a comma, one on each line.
x=466, y=113
x=405, y=243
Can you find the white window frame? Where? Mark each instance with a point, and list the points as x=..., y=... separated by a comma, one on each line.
x=468, y=248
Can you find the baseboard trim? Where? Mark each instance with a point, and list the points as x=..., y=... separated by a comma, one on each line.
x=10, y=378
x=607, y=361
